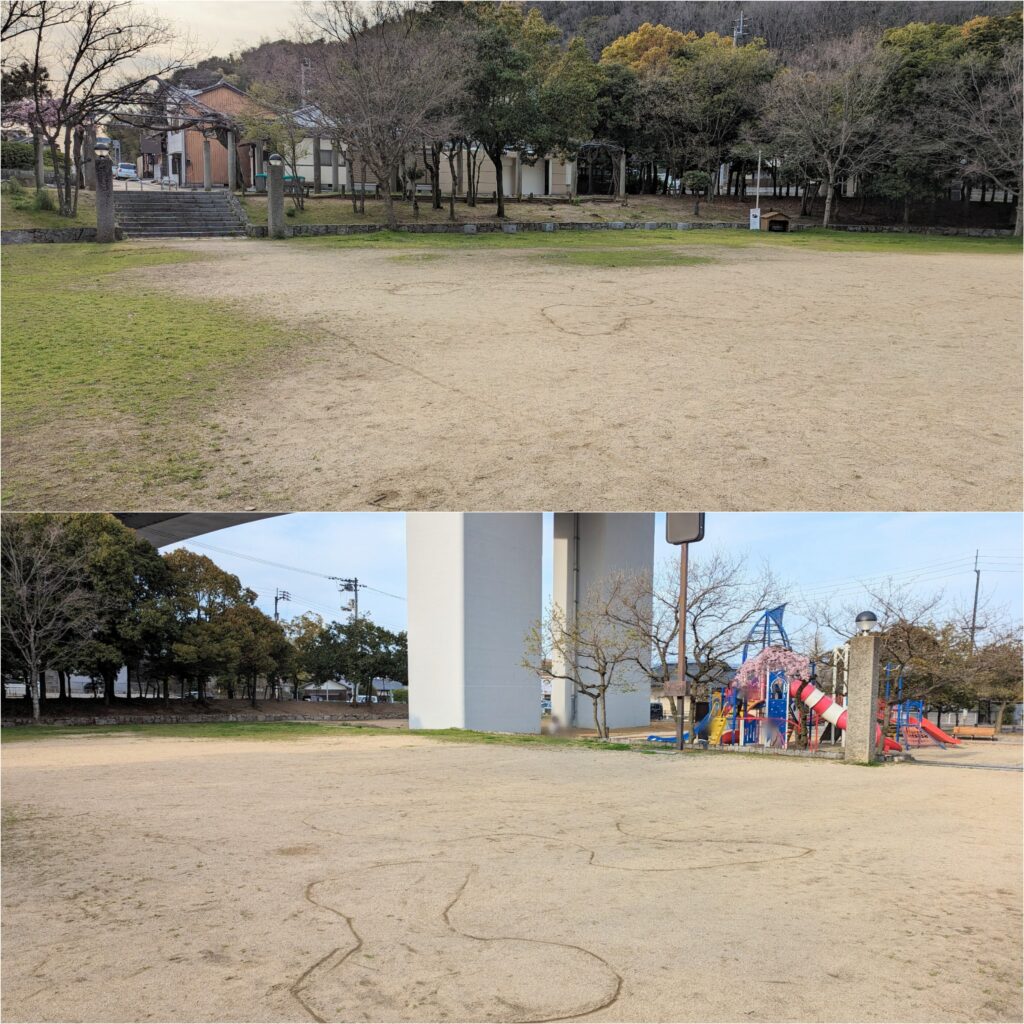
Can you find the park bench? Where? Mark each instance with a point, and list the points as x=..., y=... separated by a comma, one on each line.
x=975, y=732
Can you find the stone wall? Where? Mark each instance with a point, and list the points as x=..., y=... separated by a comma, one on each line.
x=514, y=227
x=21, y=236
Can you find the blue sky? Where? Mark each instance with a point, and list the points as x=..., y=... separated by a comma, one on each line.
x=817, y=553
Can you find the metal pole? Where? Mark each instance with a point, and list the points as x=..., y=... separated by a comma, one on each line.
x=974, y=612
x=684, y=685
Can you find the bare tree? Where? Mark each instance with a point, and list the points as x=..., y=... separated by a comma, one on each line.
x=826, y=111
x=384, y=88
x=591, y=648
x=980, y=111
x=102, y=55
x=44, y=607
x=724, y=598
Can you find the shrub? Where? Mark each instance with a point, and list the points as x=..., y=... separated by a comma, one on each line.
x=14, y=187
x=17, y=155
x=400, y=696
x=290, y=212
x=44, y=201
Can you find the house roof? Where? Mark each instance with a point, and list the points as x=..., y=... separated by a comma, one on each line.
x=218, y=85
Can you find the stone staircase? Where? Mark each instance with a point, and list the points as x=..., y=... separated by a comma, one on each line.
x=177, y=215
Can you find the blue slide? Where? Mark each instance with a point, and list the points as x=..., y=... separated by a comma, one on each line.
x=701, y=730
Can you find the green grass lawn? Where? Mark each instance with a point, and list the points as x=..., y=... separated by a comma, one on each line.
x=292, y=730
x=87, y=343
x=16, y=211
x=570, y=242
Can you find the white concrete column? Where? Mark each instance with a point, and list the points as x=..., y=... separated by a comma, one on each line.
x=474, y=592
x=588, y=547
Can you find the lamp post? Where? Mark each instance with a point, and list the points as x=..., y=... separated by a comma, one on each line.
x=684, y=529
x=275, y=196
x=104, y=192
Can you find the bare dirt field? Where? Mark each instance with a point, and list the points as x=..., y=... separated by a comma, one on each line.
x=636, y=370
x=396, y=878
x=765, y=379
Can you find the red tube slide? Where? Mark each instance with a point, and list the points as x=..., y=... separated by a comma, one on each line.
x=935, y=732
x=825, y=707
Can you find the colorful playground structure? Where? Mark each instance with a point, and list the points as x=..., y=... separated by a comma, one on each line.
x=774, y=701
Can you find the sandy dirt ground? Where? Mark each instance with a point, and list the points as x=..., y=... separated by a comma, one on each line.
x=395, y=878
x=767, y=379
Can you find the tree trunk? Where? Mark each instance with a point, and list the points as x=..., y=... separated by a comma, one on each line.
x=389, y=210
x=1018, y=224
x=826, y=220
x=62, y=680
x=252, y=699
x=167, y=692
x=34, y=690
x=108, y=688
x=452, y=155
x=1000, y=711
x=39, y=166
x=500, y=182
x=436, y=150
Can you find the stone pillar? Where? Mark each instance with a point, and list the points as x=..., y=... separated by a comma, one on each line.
x=207, y=167
x=104, y=199
x=588, y=547
x=862, y=698
x=335, y=168
x=89, y=158
x=232, y=162
x=474, y=592
x=622, y=175
x=275, y=200
x=317, y=176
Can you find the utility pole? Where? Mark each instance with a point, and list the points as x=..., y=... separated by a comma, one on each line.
x=350, y=585
x=977, y=588
x=738, y=31
x=280, y=595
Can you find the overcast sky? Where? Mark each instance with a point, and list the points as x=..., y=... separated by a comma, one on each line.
x=818, y=553
x=220, y=27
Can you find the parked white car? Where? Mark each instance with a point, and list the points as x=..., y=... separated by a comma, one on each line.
x=126, y=172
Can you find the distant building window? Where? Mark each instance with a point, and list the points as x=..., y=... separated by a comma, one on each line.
x=325, y=156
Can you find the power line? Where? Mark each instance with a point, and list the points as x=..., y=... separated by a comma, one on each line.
x=935, y=570
x=289, y=568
